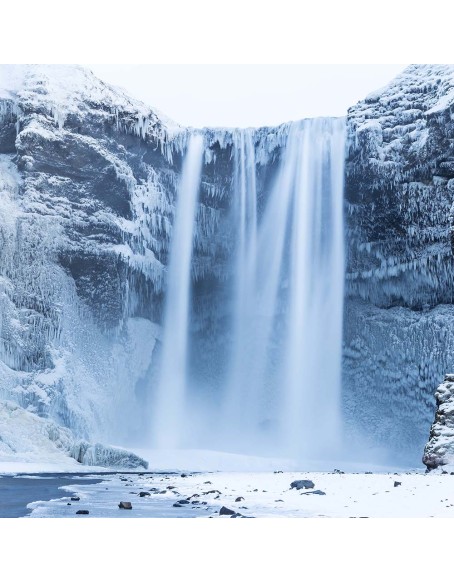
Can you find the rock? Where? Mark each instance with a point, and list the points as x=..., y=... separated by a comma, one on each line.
x=212, y=491
x=82, y=512
x=236, y=515
x=302, y=484
x=75, y=498
x=125, y=505
x=226, y=511
x=439, y=450
x=239, y=499
x=315, y=492
x=68, y=504
x=183, y=475
x=276, y=472
x=171, y=487
x=207, y=483
x=177, y=504
x=397, y=483
x=144, y=494
x=183, y=501
x=338, y=472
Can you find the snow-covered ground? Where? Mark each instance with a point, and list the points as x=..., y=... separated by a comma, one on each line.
x=258, y=494
x=202, y=482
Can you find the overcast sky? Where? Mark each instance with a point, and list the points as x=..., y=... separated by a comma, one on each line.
x=248, y=95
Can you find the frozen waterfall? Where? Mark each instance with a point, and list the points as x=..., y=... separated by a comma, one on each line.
x=279, y=391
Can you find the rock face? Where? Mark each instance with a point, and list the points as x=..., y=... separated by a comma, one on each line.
x=398, y=332
x=440, y=448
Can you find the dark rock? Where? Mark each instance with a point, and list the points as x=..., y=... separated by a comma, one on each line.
x=212, y=491
x=75, y=498
x=239, y=499
x=338, y=472
x=315, y=492
x=68, y=504
x=171, y=487
x=125, y=505
x=82, y=512
x=397, y=483
x=183, y=501
x=302, y=484
x=226, y=511
x=144, y=494
x=276, y=472
x=236, y=515
x=183, y=475
x=207, y=483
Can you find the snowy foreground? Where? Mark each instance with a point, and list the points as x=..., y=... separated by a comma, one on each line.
x=266, y=494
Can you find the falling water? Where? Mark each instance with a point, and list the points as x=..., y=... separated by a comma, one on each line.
x=169, y=406
x=284, y=385
x=281, y=393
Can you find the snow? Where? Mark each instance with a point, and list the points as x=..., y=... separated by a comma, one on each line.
x=266, y=494
x=32, y=441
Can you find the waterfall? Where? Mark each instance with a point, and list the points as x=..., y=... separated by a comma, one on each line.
x=284, y=383
x=281, y=392
x=169, y=405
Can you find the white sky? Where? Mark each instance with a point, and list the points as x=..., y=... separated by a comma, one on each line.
x=248, y=95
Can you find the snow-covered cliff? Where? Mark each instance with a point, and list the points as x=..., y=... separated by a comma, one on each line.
x=399, y=339
x=88, y=181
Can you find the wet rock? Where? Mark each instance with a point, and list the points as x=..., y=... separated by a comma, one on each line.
x=82, y=512
x=226, y=511
x=125, y=505
x=239, y=499
x=302, y=484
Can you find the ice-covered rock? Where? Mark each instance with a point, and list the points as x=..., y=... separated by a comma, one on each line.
x=103, y=456
x=440, y=448
x=28, y=438
x=398, y=333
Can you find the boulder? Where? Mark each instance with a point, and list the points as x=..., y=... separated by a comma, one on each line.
x=226, y=511
x=125, y=505
x=302, y=484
